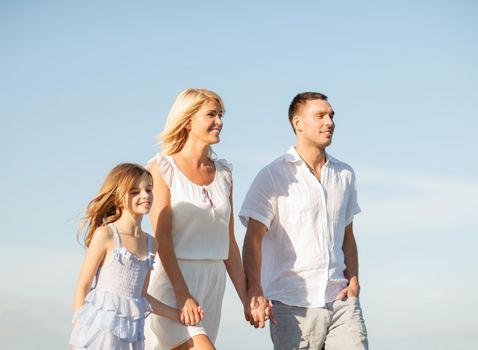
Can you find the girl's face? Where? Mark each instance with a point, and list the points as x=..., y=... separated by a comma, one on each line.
x=139, y=199
x=206, y=124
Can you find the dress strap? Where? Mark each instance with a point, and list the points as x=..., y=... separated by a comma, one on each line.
x=151, y=254
x=115, y=235
x=150, y=244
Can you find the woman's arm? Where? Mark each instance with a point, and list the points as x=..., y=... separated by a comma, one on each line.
x=158, y=307
x=101, y=243
x=161, y=220
x=233, y=263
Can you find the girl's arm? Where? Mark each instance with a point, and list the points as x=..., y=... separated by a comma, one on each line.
x=233, y=263
x=158, y=307
x=160, y=216
x=100, y=244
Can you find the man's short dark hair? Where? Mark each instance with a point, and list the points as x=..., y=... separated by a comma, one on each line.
x=300, y=99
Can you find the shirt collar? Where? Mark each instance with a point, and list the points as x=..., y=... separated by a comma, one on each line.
x=292, y=156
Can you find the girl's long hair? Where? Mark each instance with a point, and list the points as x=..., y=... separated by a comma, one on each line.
x=174, y=135
x=108, y=204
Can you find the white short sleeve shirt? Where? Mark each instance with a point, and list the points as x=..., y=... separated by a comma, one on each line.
x=302, y=257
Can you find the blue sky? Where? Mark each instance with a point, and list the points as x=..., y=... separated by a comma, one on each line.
x=85, y=85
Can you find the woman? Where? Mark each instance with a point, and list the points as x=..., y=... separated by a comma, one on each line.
x=192, y=218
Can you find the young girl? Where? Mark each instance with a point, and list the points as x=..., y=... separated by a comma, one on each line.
x=120, y=255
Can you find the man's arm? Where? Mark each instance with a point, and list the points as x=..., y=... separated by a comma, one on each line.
x=258, y=308
x=349, y=248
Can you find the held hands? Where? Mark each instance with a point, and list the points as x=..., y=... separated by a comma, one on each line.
x=258, y=310
x=190, y=312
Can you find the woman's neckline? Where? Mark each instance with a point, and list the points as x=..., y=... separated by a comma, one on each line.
x=188, y=179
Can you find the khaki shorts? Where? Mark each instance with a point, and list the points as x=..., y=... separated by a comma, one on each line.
x=339, y=325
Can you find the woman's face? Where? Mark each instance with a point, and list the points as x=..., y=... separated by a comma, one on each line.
x=206, y=124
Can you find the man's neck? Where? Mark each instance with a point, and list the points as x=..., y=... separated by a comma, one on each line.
x=314, y=157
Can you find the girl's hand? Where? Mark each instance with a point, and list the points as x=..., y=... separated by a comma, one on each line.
x=201, y=312
x=190, y=312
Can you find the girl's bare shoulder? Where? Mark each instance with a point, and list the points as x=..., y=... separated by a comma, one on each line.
x=103, y=236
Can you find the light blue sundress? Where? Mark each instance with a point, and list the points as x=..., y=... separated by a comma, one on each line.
x=114, y=311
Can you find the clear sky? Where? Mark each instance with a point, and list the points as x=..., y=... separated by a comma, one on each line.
x=87, y=84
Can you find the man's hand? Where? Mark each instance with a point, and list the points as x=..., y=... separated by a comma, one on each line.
x=352, y=290
x=257, y=310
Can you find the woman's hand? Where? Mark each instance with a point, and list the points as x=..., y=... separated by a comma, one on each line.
x=190, y=312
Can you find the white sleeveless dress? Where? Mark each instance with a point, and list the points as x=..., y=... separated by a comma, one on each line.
x=200, y=234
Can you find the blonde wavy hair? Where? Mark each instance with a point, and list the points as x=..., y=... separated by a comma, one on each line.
x=107, y=206
x=174, y=135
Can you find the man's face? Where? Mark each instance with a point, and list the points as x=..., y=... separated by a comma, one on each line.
x=314, y=123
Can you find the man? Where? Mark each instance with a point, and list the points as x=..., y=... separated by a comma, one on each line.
x=299, y=251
